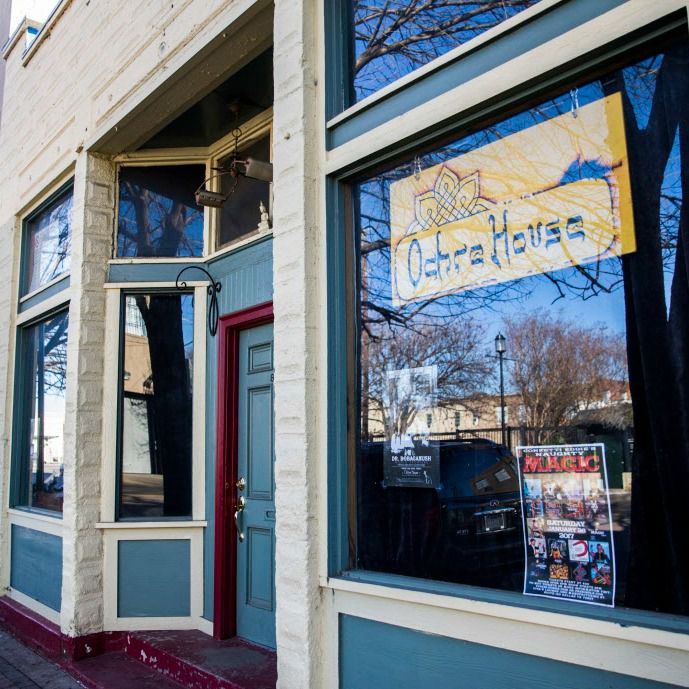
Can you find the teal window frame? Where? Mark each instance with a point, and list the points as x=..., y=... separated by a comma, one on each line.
x=20, y=487
x=342, y=314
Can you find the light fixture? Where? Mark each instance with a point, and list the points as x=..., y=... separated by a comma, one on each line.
x=238, y=167
x=500, y=343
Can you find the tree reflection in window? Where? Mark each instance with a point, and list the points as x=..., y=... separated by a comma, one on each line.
x=49, y=243
x=596, y=352
x=156, y=406
x=157, y=213
x=395, y=37
x=45, y=349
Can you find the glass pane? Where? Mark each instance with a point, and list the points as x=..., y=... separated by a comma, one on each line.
x=156, y=407
x=525, y=286
x=241, y=213
x=48, y=250
x=157, y=212
x=46, y=357
x=395, y=37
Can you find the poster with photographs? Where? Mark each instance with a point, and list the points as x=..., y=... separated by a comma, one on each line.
x=567, y=523
x=411, y=459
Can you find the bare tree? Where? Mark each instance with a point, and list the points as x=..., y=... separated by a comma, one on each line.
x=560, y=368
x=456, y=354
x=393, y=37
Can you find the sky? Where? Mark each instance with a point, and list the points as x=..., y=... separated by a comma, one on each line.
x=33, y=9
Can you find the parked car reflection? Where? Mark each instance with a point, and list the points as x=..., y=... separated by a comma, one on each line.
x=467, y=529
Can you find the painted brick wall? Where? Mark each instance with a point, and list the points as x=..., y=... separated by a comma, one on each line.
x=298, y=248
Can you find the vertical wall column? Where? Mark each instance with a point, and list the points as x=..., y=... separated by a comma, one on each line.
x=9, y=268
x=299, y=293
x=92, y=236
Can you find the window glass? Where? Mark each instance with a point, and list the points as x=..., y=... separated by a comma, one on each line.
x=44, y=354
x=49, y=239
x=157, y=213
x=156, y=406
x=395, y=37
x=241, y=213
x=526, y=287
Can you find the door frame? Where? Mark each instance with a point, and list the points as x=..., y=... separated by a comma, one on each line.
x=226, y=456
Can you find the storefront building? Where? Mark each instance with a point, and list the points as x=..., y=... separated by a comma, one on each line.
x=356, y=330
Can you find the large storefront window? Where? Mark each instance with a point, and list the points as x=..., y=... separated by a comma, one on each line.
x=394, y=37
x=156, y=406
x=523, y=323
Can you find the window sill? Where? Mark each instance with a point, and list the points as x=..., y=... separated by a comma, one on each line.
x=38, y=521
x=182, y=524
x=659, y=629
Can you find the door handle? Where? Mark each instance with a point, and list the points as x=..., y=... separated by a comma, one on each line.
x=241, y=504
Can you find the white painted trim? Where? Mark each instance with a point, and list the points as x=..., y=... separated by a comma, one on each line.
x=581, y=641
x=32, y=604
x=110, y=406
x=153, y=286
x=49, y=189
x=169, y=156
x=240, y=243
x=45, y=307
x=135, y=260
x=655, y=637
x=439, y=62
x=198, y=481
x=111, y=538
x=205, y=626
x=36, y=521
x=527, y=67
x=110, y=395
x=129, y=525
x=43, y=288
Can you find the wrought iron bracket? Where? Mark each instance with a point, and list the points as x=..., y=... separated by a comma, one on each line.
x=212, y=289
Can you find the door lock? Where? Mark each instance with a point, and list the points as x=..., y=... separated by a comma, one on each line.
x=241, y=484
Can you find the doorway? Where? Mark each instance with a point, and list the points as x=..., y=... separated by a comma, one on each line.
x=244, y=602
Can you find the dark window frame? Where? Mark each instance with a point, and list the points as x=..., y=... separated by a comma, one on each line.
x=20, y=485
x=62, y=190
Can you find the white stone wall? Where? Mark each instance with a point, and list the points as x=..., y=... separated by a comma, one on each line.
x=299, y=304
x=92, y=237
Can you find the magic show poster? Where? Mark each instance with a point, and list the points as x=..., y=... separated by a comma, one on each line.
x=567, y=523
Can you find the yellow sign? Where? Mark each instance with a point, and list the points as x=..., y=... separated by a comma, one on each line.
x=549, y=197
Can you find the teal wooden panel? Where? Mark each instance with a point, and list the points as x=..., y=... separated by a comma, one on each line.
x=60, y=286
x=36, y=565
x=246, y=276
x=260, y=443
x=260, y=570
x=375, y=655
x=153, y=578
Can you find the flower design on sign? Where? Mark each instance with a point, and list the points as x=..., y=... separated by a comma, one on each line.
x=450, y=200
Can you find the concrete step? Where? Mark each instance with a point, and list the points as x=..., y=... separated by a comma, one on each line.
x=197, y=661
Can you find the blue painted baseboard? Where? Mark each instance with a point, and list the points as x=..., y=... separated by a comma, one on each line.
x=374, y=655
x=36, y=565
x=153, y=578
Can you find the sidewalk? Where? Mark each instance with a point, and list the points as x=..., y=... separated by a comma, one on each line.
x=21, y=668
